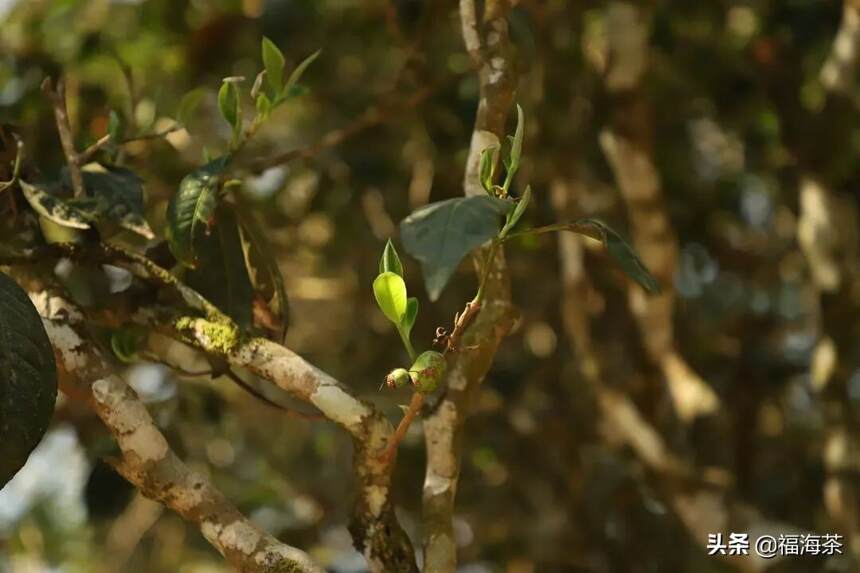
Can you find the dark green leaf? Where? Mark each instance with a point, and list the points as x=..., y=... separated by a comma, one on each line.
x=263, y=268
x=54, y=208
x=619, y=250
x=221, y=275
x=441, y=234
x=390, y=260
x=28, y=378
x=390, y=293
x=114, y=195
x=191, y=210
x=273, y=60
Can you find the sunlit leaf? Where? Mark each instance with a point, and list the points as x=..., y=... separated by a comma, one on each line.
x=390, y=293
x=264, y=106
x=28, y=378
x=53, y=207
x=191, y=210
x=513, y=164
x=390, y=260
x=440, y=234
x=487, y=168
x=228, y=103
x=411, y=315
x=273, y=60
x=518, y=211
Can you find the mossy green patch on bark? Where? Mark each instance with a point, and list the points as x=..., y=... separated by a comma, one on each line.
x=217, y=337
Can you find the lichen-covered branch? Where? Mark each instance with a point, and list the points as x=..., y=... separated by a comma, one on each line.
x=627, y=147
x=374, y=525
x=375, y=529
x=487, y=43
x=147, y=460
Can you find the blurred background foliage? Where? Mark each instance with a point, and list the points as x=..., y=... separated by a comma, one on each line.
x=741, y=122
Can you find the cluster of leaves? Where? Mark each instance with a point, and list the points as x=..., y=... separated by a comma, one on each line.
x=114, y=203
x=269, y=91
x=441, y=234
x=210, y=232
x=389, y=288
x=228, y=262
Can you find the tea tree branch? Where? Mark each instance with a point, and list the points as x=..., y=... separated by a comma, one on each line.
x=57, y=96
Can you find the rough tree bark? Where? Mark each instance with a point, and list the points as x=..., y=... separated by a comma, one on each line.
x=487, y=42
x=376, y=531
x=147, y=460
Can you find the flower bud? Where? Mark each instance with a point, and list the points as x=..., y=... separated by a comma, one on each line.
x=397, y=378
x=427, y=371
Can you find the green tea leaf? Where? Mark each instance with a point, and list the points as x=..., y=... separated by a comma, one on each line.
x=440, y=234
x=127, y=341
x=221, y=275
x=273, y=60
x=115, y=127
x=53, y=208
x=263, y=268
x=410, y=316
x=619, y=250
x=487, y=170
x=517, y=213
x=228, y=103
x=297, y=73
x=390, y=260
x=114, y=195
x=188, y=104
x=191, y=211
x=264, y=106
x=513, y=164
x=28, y=378
x=390, y=293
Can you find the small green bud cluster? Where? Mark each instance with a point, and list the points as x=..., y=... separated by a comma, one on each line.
x=425, y=374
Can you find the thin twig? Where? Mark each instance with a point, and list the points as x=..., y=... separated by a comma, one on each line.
x=373, y=116
x=61, y=115
x=85, y=155
x=414, y=407
x=88, y=153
